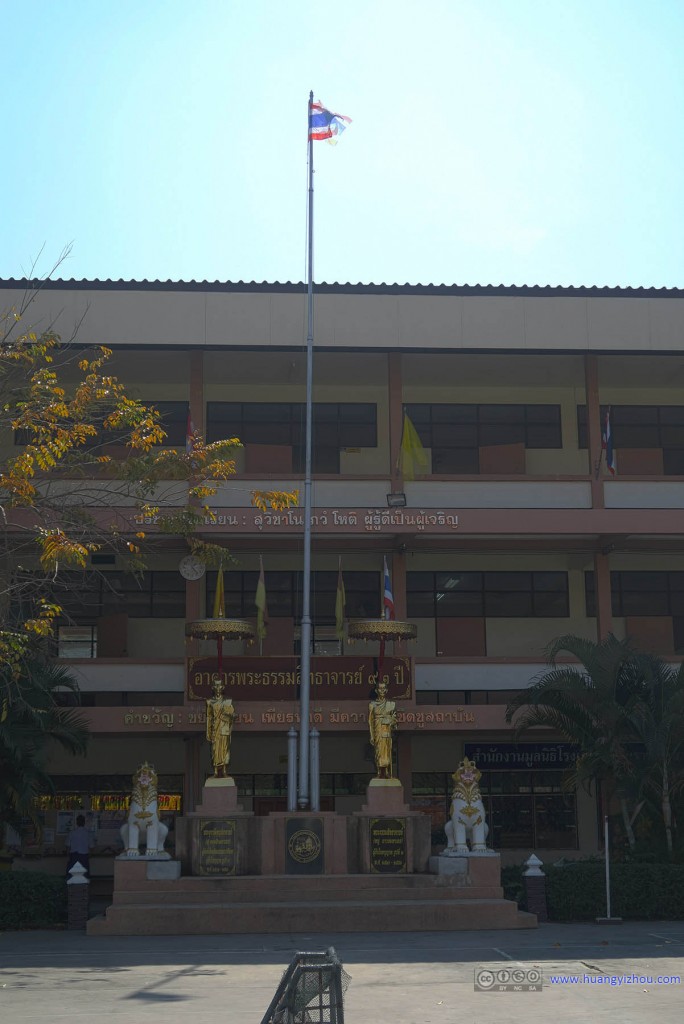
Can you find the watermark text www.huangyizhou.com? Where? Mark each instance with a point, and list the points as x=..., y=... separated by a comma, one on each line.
x=531, y=979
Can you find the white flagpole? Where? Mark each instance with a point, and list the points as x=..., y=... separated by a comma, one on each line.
x=305, y=662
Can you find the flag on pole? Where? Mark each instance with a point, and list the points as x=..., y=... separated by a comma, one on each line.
x=607, y=444
x=412, y=456
x=340, y=602
x=189, y=435
x=387, y=598
x=219, y=597
x=323, y=124
x=260, y=602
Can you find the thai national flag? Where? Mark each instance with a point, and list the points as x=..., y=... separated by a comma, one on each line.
x=323, y=124
x=387, y=599
x=607, y=444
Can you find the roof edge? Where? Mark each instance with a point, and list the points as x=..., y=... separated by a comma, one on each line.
x=338, y=288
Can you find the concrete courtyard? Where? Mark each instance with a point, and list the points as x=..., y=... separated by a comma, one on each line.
x=407, y=978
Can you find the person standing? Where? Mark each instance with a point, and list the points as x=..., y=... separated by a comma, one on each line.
x=79, y=843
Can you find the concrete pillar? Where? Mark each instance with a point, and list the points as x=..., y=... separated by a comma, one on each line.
x=604, y=608
x=535, y=888
x=78, y=898
x=396, y=416
x=405, y=764
x=593, y=428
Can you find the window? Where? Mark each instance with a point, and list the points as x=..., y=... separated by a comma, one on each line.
x=487, y=594
x=336, y=425
x=640, y=593
x=525, y=809
x=87, y=596
x=455, y=433
x=643, y=426
x=284, y=594
x=77, y=642
x=174, y=420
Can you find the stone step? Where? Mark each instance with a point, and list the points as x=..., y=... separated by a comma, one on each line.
x=234, y=893
x=307, y=916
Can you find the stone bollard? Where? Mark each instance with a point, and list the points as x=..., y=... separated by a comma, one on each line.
x=535, y=888
x=78, y=894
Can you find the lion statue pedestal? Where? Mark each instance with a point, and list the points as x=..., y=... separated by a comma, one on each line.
x=143, y=818
x=467, y=821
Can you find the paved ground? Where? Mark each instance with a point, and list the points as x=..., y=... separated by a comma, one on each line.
x=424, y=978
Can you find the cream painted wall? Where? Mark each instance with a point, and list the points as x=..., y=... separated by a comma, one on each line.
x=121, y=755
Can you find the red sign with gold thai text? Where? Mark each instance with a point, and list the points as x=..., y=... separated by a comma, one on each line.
x=278, y=678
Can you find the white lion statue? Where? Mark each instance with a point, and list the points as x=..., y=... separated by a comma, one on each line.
x=467, y=813
x=144, y=817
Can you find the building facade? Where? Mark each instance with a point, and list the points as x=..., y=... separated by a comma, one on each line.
x=515, y=534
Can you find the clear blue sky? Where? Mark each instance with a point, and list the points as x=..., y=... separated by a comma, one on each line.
x=514, y=141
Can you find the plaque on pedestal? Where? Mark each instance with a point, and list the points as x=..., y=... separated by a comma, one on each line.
x=387, y=844
x=304, y=846
x=217, y=846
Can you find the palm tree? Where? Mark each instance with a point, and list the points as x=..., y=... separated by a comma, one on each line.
x=30, y=719
x=595, y=706
x=657, y=721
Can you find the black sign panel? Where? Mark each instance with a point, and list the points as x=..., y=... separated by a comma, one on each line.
x=217, y=846
x=304, y=846
x=387, y=845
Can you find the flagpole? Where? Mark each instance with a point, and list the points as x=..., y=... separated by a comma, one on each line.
x=305, y=663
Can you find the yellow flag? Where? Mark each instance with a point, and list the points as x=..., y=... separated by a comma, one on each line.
x=260, y=602
x=340, y=602
x=413, y=456
x=219, y=597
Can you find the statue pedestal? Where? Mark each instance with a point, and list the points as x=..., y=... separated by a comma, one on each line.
x=386, y=837
x=219, y=796
x=218, y=838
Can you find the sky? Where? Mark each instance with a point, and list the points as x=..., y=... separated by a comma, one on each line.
x=493, y=141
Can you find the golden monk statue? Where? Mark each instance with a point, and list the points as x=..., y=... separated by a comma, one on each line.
x=382, y=721
x=220, y=714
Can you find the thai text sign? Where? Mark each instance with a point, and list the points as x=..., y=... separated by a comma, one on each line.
x=387, y=845
x=278, y=678
x=217, y=846
x=522, y=755
x=323, y=520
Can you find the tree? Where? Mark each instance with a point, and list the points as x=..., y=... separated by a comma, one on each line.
x=625, y=711
x=88, y=448
x=26, y=728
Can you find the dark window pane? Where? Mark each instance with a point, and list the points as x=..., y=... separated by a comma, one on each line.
x=508, y=605
x=501, y=433
x=455, y=603
x=458, y=581
x=174, y=419
x=505, y=414
x=455, y=460
x=421, y=605
x=673, y=462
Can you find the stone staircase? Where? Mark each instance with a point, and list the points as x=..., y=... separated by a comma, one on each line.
x=314, y=903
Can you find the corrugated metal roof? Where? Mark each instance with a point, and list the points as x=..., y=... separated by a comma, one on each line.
x=324, y=288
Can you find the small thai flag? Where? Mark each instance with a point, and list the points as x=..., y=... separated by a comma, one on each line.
x=323, y=124
x=607, y=444
x=387, y=599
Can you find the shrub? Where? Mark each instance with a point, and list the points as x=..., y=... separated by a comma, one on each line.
x=31, y=899
x=641, y=892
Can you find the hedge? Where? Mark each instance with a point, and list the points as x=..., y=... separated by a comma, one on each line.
x=31, y=899
x=577, y=890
